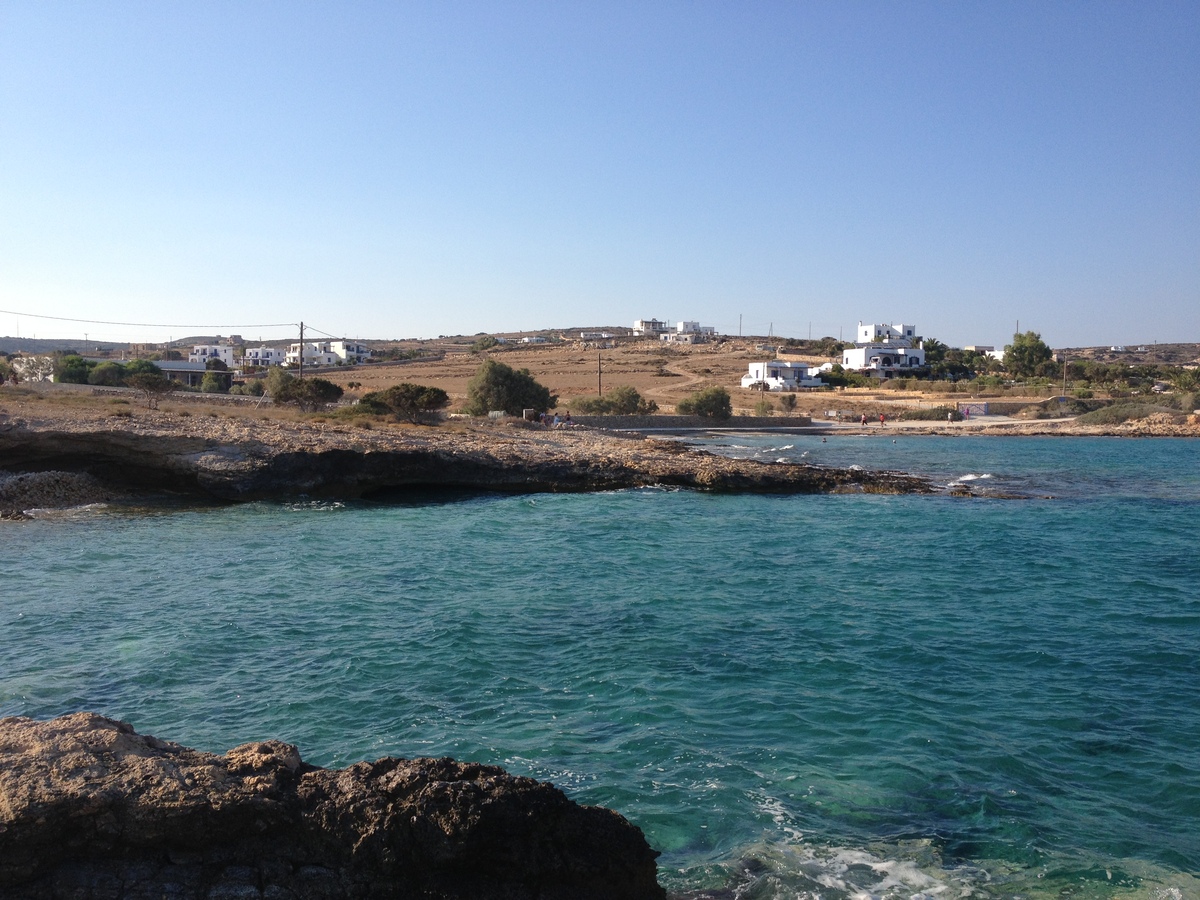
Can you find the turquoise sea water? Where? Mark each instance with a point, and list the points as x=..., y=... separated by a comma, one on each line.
x=843, y=696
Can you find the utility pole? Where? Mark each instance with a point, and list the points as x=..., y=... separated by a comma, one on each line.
x=739, y=324
x=599, y=383
x=302, y=350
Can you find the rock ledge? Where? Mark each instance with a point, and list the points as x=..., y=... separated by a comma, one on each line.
x=90, y=809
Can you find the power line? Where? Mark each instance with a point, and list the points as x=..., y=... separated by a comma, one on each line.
x=319, y=331
x=140, y=324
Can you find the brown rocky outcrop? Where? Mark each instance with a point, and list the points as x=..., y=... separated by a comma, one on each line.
x=231, y=459
x=90, y=809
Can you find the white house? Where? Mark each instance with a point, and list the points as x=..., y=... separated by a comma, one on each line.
x=884, y=350
x=202, y=353
x=871, y=333
x=694, y=328
x=649, y=327
x=350, y=352
x=328, y=353
x=881, y=359
x=264, y=356
x=780, y=375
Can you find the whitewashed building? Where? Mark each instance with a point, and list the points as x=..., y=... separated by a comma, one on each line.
x=688, y=333
x=884, y=350
x=264, y=356
x=202, y=353
x=649, y=327
x=328, y=353
x=781, y=375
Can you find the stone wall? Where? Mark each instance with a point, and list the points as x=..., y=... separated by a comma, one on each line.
x=642, y=423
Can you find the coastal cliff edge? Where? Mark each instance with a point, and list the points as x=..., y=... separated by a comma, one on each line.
x=235, y=459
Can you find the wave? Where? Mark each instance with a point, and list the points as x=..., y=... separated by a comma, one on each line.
x=916, y=870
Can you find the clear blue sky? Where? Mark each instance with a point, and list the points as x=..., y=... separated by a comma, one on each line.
x=403, y=169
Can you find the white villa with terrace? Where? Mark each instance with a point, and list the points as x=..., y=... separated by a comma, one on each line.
x=884, y=350
x=202, y=353
x=780, y=375
x=328, y=353
x=264, y=356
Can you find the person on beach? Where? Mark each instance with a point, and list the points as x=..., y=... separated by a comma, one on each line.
x=864, y=419
x=882, y=421
x=949, y=417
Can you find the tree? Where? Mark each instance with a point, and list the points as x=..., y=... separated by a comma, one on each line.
x=72, y=369
x=487, y=342
x=140, y=367
x=308, y=393
x=414, y=402
x=277, y=378
x=215, y=364
x=1025, y=354
x=107, y=374
x=214, y=383
x=251, y=388
x=935, y=351
x=500, y=387
x=711, y=403
x=1186, y=380
x=788, y=402
x=150, y=385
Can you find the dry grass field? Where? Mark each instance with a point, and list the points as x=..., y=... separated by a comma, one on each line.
x=660, y=372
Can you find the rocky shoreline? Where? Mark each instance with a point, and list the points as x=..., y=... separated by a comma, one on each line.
x=91, y=809
x=232, y=458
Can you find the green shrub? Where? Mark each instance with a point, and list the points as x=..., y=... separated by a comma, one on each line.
x=107, y=374
x=151, y=386
x=72, y=369
x=487, y=342
x=214, y=382
x=500, y=387
x=788, y=402
x=931, y=414
x=252, y=388
x=309, y=393
x=620, y=401
x=1124, y=412
x=414, y=402
x=711, y=403
x=764, y=407
x=141, y=367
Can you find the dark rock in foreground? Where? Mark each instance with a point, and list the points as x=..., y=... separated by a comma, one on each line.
x=90, y=809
